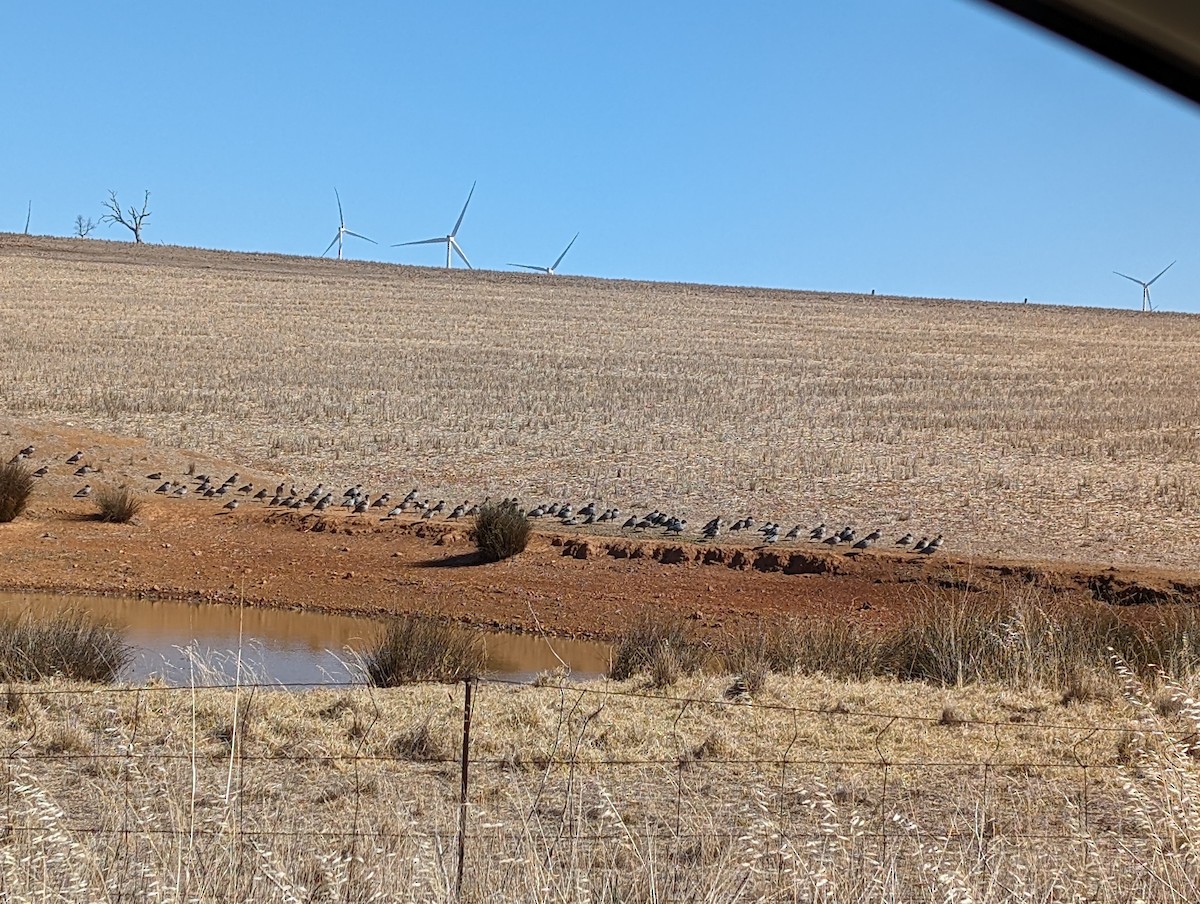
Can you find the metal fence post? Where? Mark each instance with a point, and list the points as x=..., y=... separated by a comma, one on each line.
x=469, y=690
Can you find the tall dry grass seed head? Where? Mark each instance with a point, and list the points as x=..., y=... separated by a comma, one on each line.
x=16, y=486
x=1162, y=780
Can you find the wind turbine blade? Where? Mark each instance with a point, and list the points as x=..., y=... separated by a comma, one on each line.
x=454, y=245
x=436, y=241
x=1130, y=278
x=331, y=244
x=531, y=267
x=1164, y=270
x=341, y=219
x=554, y=266
x=363, y=237
x=454, y=231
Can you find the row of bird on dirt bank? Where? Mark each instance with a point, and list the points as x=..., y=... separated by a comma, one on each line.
x=359, y=502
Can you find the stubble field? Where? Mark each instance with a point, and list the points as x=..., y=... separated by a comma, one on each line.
x=1016, y=430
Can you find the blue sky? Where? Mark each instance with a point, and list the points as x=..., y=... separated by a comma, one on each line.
x=933, y=148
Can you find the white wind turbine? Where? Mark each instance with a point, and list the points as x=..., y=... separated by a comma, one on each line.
x=549, y=271
x=1146, y=306
x=343, y=231
x=450, y=240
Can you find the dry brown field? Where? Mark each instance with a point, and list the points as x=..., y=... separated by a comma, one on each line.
x=1022, y=431
x=819, y=791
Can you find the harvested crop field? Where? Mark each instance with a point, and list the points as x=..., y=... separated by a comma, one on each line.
x=1019, y=431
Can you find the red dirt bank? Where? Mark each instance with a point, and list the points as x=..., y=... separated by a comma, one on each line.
x=566, y=583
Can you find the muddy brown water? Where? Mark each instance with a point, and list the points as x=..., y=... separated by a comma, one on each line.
x=182, y=643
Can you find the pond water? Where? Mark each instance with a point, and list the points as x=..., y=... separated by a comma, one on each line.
x=185, y=642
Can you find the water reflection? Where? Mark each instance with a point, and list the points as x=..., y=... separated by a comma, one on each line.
x=184, y=642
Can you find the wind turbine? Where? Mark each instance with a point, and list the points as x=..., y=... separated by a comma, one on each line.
x=1146, y=306
x=549, y=271
x=343, y=231
x=450, y=240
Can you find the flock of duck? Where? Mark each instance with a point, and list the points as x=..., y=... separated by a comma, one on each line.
x=233, y=491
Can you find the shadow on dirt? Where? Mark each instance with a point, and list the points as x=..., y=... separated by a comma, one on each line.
x=458, y=560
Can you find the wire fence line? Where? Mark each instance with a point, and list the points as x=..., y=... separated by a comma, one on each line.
x=493, y=772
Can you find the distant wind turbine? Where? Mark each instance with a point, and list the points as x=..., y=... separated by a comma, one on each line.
x=549, y=271
x=450, y=240
x=343, y=231
x=1146, y=306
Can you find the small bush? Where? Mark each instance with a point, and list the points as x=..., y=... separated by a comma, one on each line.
x=501, y=531
x=662, y=647
x=71, y=645
x=16, y=486
x=421, y=648
x=117, y=505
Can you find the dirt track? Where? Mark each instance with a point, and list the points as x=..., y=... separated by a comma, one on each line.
x=566, y=583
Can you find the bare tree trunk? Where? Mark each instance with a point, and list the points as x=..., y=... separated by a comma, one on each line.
x=133, y=219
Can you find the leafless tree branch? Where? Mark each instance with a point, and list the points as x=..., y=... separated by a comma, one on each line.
x=132, y=219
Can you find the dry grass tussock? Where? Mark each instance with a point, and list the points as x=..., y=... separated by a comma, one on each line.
x=16, y=486
x=117, y=505
x=1015, y=429
x=71, y=645
x=422, y=648
x=501, y=531
x=351, y=794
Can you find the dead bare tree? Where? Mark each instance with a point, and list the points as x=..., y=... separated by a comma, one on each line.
x=84, y=227
x=132, y=219
x=28, y=214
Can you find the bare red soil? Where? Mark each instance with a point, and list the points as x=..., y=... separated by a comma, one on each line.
x=566, y=583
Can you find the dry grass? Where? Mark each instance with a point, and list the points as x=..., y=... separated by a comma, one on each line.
x=1025, y=430
x=422, y=648
x=501, y=531
x=117, y=505
x=69, y=645
x=584, y=793
x=16, y=486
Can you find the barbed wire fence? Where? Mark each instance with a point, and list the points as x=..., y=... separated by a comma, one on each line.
x=141, y=793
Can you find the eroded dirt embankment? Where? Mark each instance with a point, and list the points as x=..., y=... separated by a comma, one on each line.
x=566, y=583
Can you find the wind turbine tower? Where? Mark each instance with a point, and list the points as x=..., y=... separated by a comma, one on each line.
x=1146, y=306
x=549, y=271
x=343, y=231
x=450, y=240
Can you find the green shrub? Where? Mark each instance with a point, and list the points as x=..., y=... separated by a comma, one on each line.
x=16, y=486
x=421, y=648
x=117, y=505
x=663, y=648
x=70, y=645
x=501, y=531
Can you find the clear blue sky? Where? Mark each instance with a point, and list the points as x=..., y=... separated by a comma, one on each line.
x=918, y=147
